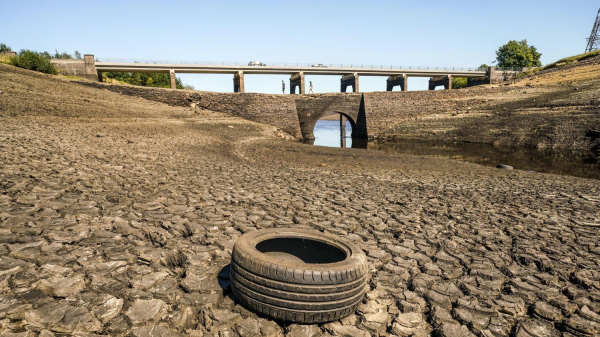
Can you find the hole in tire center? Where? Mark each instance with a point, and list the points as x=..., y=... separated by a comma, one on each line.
x=301, y=250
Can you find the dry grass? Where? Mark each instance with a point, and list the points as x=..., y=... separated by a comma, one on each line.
x=562, y=62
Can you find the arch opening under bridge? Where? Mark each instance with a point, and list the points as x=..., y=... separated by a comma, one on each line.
x=350, y=107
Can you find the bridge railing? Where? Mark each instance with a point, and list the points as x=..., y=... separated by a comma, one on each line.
x=508, y=69
x=288, y=64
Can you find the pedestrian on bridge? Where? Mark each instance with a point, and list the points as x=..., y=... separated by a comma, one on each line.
x=310, y=91
x=282, y=87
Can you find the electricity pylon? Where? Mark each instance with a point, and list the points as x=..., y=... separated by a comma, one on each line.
x=594, y=39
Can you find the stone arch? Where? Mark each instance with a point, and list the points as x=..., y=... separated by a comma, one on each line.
x=313, y=108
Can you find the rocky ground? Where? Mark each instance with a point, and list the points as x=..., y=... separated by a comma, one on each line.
x=118, y=215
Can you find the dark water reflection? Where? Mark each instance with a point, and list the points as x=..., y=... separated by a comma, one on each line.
x=574, y=163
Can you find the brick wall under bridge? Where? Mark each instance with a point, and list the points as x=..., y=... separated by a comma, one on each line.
x=370, y=114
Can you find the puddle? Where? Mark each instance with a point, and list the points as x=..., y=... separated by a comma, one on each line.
x=584, y=164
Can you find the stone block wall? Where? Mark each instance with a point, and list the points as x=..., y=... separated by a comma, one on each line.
x=384, y=110
x=276, y=110
x=69, y=67
x=80, y=68
x=373, y=113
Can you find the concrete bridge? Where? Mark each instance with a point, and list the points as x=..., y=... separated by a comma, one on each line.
x=350, y=74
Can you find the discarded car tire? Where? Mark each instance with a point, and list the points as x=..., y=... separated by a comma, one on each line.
x=504, y=167
x=298, y=275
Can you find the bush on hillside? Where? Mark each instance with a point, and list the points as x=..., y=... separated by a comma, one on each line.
x=65, y=56
x=31, y=60
x=459, y=82
x=157, y=80
x=4, y=48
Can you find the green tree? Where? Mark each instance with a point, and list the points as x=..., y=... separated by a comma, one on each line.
x=484, y=66
x=62, y=56
x=135, y=79
x=34, y=61
x=459, y=82
x=78, y=55
x=518, y=54
x=4, y=48
x=159, y=80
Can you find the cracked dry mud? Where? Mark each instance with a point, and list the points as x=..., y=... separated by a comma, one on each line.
x=118, y=216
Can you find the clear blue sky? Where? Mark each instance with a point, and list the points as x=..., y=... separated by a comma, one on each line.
x=417, y=33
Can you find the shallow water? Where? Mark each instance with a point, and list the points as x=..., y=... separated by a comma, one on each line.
x=573, y=163
x=327, y=133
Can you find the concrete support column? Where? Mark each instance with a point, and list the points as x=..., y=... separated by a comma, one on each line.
x=491, y=75
x=446, y=81
x=238, y=82
x=349, y=80
x=397, y=80
x=90, y=68
x=90, y=64
x=297, y=80
x=173, y=80
x=342, y=131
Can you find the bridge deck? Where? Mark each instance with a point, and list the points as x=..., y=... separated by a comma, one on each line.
x=229, y=69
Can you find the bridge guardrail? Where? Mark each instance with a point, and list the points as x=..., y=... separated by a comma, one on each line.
x=292, y=64
x=508, y=69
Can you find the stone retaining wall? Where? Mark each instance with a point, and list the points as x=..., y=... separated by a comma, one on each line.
x=80, y=68
x=382, y=110
x=276, y=110
x=69, y=67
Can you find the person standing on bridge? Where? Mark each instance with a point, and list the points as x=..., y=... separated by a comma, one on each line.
x=310, y=91
x=282, y=87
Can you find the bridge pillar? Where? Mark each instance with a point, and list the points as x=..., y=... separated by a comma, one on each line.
x=350, y=80
x=297, y=80
x=446, y=81
x=342, y=131
x=173, y=79
x=238, y=82
x=401, y=80
x=494, y=76
x=90, y=66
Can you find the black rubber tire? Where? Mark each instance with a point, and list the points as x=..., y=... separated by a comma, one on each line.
x=247, y=256
x=294, y=284
x=295, y=288
x=296, y=296
x=293, y=315
x=300, y=305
